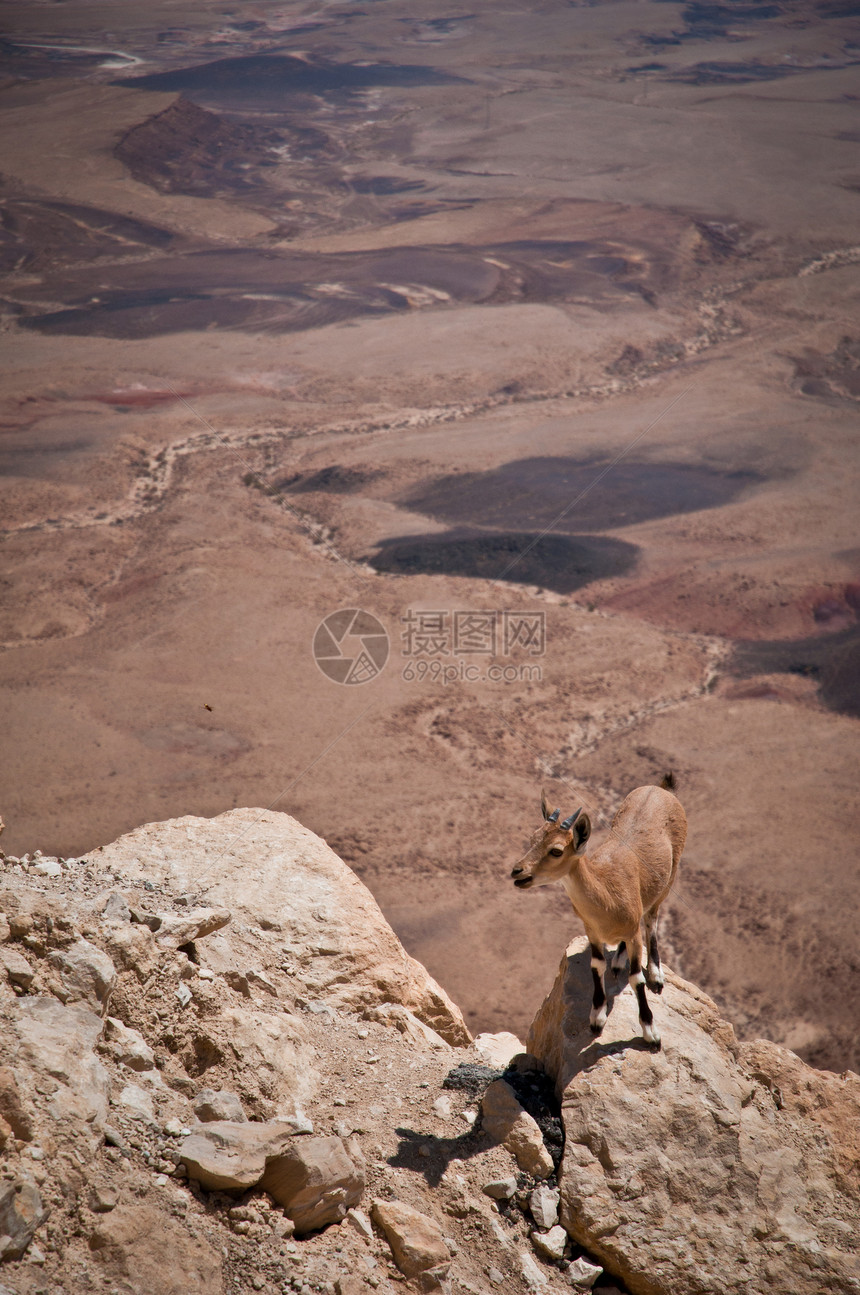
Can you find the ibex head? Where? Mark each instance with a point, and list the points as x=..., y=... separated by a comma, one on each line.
x=553, y=848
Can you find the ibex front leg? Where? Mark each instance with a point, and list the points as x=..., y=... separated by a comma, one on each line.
x=598, y=1001
x=637, y=980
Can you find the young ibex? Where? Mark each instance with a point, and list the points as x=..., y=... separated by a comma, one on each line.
x=617, y=887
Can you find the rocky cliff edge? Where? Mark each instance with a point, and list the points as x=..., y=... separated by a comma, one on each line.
x=220, y=1072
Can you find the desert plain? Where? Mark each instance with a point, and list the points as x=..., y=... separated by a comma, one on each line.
x=529, y=333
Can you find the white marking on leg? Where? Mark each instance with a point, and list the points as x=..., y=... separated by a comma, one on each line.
x=598, y=964
x=598, y=1016
x=656, y=974
x=638, y=978
x=650, y=1035
x=618, y=959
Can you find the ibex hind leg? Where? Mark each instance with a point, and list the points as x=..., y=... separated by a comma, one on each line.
x=637, y=980
x=598, y=1002
x=654, y=972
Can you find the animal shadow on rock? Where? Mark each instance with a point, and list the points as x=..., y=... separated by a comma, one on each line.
x=430, y=1155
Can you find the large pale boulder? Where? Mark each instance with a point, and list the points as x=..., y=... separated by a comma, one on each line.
x=274, y=874
x=710, y=1166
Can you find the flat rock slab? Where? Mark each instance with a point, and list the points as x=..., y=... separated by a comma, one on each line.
x=175, y=930
x=231, y=1155
x=708, y=1166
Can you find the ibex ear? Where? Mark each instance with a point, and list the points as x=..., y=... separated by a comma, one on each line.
x=544, y=806
x=581, y=831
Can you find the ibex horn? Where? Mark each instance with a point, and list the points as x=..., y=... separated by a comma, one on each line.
x=553, y=818
x=569, y=822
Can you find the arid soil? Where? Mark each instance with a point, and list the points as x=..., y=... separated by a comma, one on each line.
x=531, y=334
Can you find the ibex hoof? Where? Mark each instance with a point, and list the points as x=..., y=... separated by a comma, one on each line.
x=596, y=1027
x=651, y=1037
x=656, y=986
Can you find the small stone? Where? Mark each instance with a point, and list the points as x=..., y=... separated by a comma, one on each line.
x=258, y=1282
x=582, y=1275
x=543, y=1204
x=495, y=1276
x=116, y=908
x=17, y=968
x=238, y=981
x=507, y=1122
x=498, y=1050
x=282, y=1226
x=501, y=1189
x=442, y=1107
x=21, y=1213
x=87, y=974
x=12, y=1108
x=174, y=930
x=550, y=1243
x=533, y=1276
x=360, y=1223
x=205, y=973
x=114, y=1138
x=183, y=993
x=137, y=1103
x=416, y=1240
x=259, y=980
x=315, y=1180
x=173, y=1127
x=128, y=1046
x=231, y=1156
x=218, y=1104
x=48, y=868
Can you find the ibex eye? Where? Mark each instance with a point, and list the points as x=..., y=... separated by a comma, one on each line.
x=556, y=852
